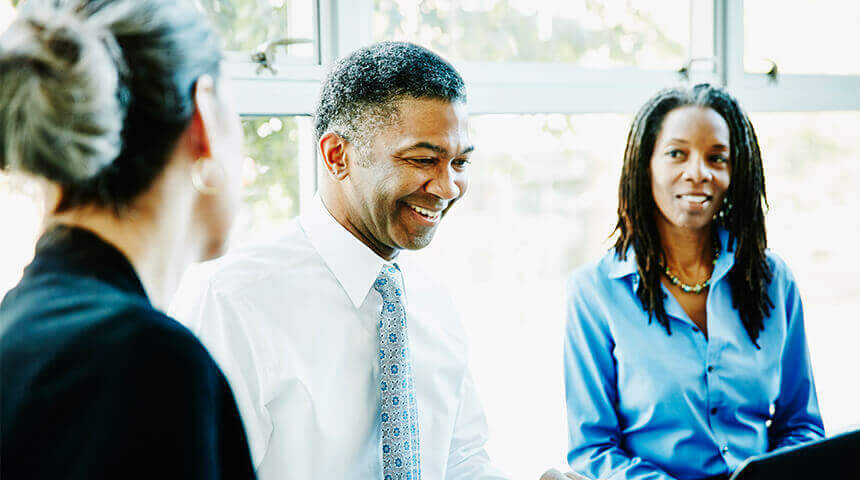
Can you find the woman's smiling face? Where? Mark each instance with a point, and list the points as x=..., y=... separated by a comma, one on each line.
x=690, y=167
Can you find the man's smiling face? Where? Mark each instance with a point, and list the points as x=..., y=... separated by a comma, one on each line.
x=414, y=170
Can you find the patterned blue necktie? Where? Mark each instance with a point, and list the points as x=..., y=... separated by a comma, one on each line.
x=399, y=408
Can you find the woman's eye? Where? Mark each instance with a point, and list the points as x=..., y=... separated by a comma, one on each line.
x=719, y=159
x=675, y=153
x=462, y=162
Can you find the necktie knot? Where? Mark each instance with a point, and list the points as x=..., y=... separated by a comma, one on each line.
x=389, y=283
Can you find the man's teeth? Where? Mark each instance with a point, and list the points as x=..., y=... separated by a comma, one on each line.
x=695, y=198
x=427, y=213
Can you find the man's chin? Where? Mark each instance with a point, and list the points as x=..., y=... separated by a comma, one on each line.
x=416, y=242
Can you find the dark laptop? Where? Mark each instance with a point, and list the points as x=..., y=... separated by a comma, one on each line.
x=833, y=458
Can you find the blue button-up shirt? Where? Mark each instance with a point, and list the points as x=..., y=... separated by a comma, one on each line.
x=643, y=404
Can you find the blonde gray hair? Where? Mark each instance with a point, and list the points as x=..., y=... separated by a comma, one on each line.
x=61, y=115
x=94, y=94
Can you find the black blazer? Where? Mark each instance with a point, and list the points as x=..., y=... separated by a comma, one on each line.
x=97, y=384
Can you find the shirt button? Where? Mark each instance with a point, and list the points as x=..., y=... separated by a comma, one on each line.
x=714, y=412
x=725, y=449
x=710, y=368
x=696, y=329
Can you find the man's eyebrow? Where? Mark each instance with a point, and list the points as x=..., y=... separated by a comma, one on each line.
x=433, y=147
x=424, y=146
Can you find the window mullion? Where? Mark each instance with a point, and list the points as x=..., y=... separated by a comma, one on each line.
x=349, y=26
x=731, y=13
x=721, y=33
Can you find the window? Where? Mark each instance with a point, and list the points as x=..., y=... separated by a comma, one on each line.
x=808, y=38
x=19, y=206
x=813, y=223
x=245, y=25
x=588, y=34
x=795, y=64
x=7, y=13
x=277, y=157
x=548, y=56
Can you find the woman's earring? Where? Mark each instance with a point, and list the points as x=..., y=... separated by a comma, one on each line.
x=197, y=179
x=724, y=212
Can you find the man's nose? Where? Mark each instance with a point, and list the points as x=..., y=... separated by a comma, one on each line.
x=443, y=184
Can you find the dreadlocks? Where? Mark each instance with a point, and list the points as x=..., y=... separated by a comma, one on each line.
x=637, y=228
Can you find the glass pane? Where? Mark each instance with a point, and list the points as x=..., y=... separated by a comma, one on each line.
x=21, y=207
x=587, y=33
x=807, y=37
x=274, y=147
x=811, y=162
x=246, y=24
x=7, y=13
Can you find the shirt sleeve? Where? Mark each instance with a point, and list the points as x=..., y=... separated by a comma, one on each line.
x=591, y=394
x=796, y=418
x=224, y=324
x=467, y=457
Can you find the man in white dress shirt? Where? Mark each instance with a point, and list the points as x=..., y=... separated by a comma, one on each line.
x=297, y=323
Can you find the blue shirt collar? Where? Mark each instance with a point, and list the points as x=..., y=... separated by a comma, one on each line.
x=622, y=268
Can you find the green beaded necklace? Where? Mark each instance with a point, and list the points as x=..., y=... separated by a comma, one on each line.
x=697, y=288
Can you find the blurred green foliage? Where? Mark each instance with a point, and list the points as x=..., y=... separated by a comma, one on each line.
x=504, y=33
x=273, y=144
x=245, y=24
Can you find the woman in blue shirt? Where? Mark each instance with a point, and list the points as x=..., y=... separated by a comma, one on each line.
x=685, y=350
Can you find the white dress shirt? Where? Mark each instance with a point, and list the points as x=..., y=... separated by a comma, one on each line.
x=293, y=325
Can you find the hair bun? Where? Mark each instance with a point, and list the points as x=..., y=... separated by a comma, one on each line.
x=61, y=115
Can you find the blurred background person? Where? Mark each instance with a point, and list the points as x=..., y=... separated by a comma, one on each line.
x=114, y=105
x=685, y=350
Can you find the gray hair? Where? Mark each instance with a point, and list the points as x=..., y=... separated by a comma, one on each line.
x=95, y=93
x=361, y=92
x=59, y=117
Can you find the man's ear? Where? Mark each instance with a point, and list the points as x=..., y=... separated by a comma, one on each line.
x=333, y=149
x=203, y=121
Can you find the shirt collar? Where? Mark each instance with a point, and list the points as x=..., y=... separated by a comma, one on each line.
x=622, y=268
x=353, y=264
x=727, y=257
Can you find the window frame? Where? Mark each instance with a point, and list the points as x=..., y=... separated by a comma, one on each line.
x=790, y=92
x=342, y=26
x=526, y=87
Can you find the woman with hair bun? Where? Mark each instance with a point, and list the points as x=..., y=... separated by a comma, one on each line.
x=117, y=106
x=685, y=351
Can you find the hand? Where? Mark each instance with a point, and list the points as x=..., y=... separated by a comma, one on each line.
x=553, y=474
